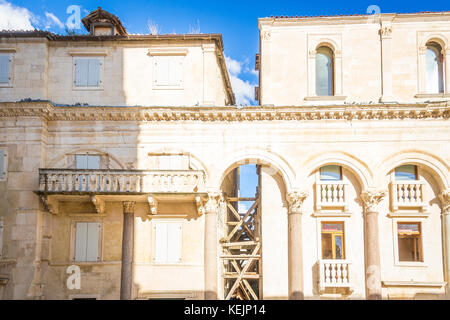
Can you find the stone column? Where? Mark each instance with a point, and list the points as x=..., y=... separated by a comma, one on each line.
x=126, y=281
x=211, y=210
x=295, y=252
x=445, y=204
x=371, y=243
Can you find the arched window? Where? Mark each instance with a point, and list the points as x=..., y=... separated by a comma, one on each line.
x=324, y=72
x=434, y=67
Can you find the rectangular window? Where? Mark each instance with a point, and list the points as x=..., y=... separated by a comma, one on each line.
x=409, y=242
x=406, y=172
x=169, y=71
x=87, y=242
x=88, y=72
x=333, y=240
x=1, y=238
x=173, y=162
x=331, y=173
x=3, y=164
x=168, y=242
x=84, y=161
x=5, y=68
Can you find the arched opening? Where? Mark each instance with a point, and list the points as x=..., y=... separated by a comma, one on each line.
x=434, y=68
x=324, y=71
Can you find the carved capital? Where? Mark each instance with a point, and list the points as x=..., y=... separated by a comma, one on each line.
x=386, y=31
x=266, y=35
x=444, y=196
x=128, y=207
x=200, y=202
x=371, y=199
x=212, y=203
x=295, y=201
x=153, y=205
x=312, y=53
x=99, y=204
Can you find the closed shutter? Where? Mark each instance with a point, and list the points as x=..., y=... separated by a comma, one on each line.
x=81, y=241
x=81, y=72
x=93, y=72
x=5, y=65
x=93, y=162
x=164, y=163
x=2, y=164
x=92, y=241
x=81, y=161
x=162, y=71
x=175, y=71
x=161, y=242
x=174, y=242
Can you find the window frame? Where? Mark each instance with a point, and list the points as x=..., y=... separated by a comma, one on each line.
x=158, y=54
x=409, y=220
x=326, y=50
x=100, y=86
x=329, y=165
x=87, y=155
x=403, y=165
x=154, y=240
x=437, y=48
x=333, y=235
x=11, y=53
x=73, y=228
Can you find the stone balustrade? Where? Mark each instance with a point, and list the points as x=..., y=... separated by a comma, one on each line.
x=334, y=274
x=331, y=194
x=407, y=194
x=120, y=181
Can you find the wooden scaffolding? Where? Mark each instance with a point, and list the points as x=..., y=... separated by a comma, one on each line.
x=241, y=249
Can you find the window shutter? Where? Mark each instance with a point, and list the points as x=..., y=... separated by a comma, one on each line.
x=81, y=72
x=175, y=71
x=93, y=229
x=161, y=242
x=5, y=62
x=162, y=71
x=174, y=242
x=81, y=161
x=164, y=163
x=93, y=73
x=93, y=162
x=2, y=164
x=81, y=241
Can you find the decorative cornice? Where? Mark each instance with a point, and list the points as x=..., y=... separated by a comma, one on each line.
x=46, y=110
x=371, y=199
x=295, y=200
x=444, y=196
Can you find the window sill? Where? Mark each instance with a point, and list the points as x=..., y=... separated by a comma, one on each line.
x=87, y=89
x=413, y=284
x=410, y=264
x=432, y=95
x=168, y=88
x=325, y=98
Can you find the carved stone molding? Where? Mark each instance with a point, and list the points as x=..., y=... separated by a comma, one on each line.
x=200, y=202
x=295, y=201
x=444, y=196
x=432, y=110
x=153, y=205
x=371, y=199
x=212, y=203
x=128, y=207
x=386, y=31
x=99, y=204
x=50, y=205
x=266, y=35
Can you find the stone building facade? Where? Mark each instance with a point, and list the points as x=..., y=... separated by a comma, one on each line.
x=120, y=159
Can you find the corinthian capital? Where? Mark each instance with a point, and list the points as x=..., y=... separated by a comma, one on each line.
x=212, y=203
x=295, y=200
x=371, y=199
x=128, y=207
x=444, y=196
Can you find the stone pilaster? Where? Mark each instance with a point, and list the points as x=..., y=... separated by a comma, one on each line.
x=371, y=199
x=211, y=211
x=126, y=281
x=386, y=62
x=444, y=196
x=295, y=252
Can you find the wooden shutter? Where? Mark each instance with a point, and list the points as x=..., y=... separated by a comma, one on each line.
x=93, y=229
x=81, y=72
x=164, y=163
x=174, y=242
x=93, y=72
x=81, y=241
x=162, y=71
x=81, y=161
x=5, y=65
x=93, y=162
x=175, y=70
x=2, y=164
x=160, y=242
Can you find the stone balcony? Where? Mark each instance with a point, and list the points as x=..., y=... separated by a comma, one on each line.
x=331, y=195
x=103, y=185
x=408, y=195
x=334, y=274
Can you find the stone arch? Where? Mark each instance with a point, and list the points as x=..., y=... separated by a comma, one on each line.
x=435, y=37
x=360, y=169
x=437, y=167
x=59, y=160
x=254, y=156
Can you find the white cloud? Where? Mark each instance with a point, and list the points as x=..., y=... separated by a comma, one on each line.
x=244, y=90
x=51, y=18
x=15, y=18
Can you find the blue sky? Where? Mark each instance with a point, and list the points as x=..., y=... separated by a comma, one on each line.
x=236, y=20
